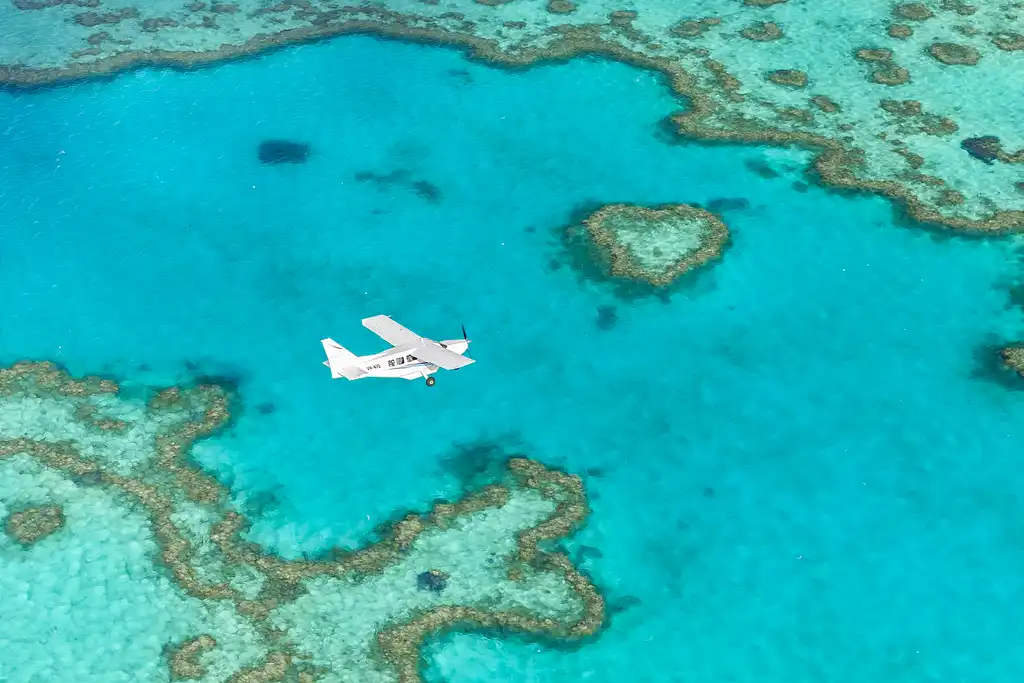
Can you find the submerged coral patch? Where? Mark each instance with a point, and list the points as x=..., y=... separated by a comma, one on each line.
x=792, y=78
x=762, y=32
x=989, y=148
x=432, y=580
x=561, y=6
x=656, y=245
x=1013, y=358
x=954, y=54
x=32, y=524
x=1008, y=41
x=357, y=615
x=915, y=11
x=985, y=148
x=900, y=31
x=183, y=659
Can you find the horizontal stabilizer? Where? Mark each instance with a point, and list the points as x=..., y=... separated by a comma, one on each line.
x=441, y=357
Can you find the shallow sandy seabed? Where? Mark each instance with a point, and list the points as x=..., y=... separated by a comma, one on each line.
x=244, y=614
x=886, y=91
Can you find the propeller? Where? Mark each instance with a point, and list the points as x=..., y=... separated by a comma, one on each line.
x=467, y=341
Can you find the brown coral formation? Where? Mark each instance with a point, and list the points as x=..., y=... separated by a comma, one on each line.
x=728, y=83
x=914, y=11
x=960, y=8
x=98, y=18
x=900, y=31
x=89, y=412
x=561, y=6
x=949, y=197
x=1013, y=358
x=656, y=245
x=788, y=77
x=32, y=524
x=913, y=118
x=989, y=148
x=694, y=28
x=762, y=32
x=170, y=479
x=44, y=4
x=1008, y=42
x=762, y=3
x=825, y=104
x=884, y=70
x=154, y=24
x=901, y=108
x=183, y=659
x=954, y=54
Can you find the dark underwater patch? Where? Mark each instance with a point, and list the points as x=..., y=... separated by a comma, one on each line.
x=283, y=152
x=399, y=175
x=761, y=168
x=607, y=317
x=431, y=580
x=427, y=190
x=620, y=605
x=402, y=177
x=985, y=148
x=462, y=75
x=478, y=463
x=720, y=204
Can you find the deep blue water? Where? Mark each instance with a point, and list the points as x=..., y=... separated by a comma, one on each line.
x=804, y=476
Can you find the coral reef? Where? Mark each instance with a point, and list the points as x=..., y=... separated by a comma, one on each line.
x=952, y=53
x=762, y=31
x=789, y=77
x=349, y=615
x=716, y=62
x=183, y=659
x=656, y=245
x=35, y=523
x=1013, y=358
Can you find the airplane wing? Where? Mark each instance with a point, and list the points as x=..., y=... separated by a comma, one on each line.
x=390, y=331
x=441, y=357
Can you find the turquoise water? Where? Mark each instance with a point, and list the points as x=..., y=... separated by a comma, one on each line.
x=800, y=470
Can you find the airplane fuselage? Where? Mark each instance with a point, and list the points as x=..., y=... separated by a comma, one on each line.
x=401, y=361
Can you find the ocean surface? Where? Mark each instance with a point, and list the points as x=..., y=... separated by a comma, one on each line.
x=802, y=463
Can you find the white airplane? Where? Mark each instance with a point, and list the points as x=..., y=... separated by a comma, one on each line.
x=410, y=357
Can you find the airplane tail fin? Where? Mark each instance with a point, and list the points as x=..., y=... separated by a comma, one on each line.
x=340, y=360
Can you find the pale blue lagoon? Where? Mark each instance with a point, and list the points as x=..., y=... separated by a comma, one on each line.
x=803, y=463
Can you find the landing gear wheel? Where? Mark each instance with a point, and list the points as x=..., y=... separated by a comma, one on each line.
x=431, y=381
